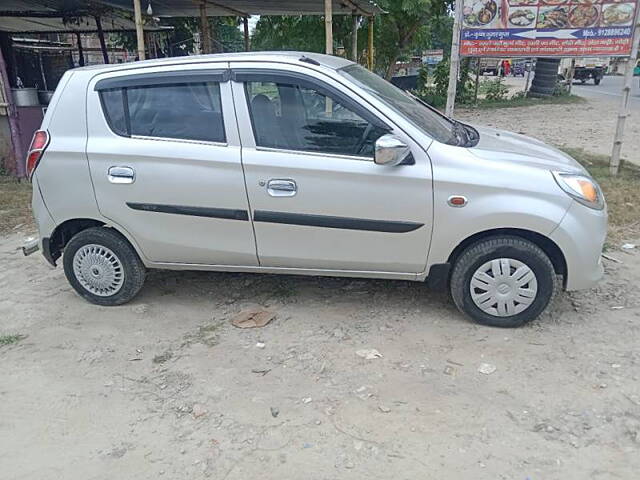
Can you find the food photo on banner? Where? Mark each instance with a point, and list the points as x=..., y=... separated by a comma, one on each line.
x=547, y=27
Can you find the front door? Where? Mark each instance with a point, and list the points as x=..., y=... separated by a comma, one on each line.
x=164, y=156
x=317, y=199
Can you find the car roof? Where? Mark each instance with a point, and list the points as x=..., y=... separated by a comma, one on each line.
x=282, y=57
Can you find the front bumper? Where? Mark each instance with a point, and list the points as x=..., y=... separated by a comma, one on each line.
x=580, y=236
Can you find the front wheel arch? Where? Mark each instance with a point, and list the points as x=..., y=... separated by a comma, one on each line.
x=548, y=246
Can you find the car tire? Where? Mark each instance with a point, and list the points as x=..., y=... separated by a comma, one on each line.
x=596, y=80
x=103, y=267
x=502, y=300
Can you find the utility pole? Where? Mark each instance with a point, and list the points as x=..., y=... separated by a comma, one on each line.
x=614, y=164
x=454, y=62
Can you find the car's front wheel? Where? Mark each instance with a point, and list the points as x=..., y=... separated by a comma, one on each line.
x=103, y=267
x=503, y=281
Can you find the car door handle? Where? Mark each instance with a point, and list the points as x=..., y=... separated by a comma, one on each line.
x=121, y=175
x=281, y=187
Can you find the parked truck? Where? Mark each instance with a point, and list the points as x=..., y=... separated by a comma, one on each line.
x=585, y=69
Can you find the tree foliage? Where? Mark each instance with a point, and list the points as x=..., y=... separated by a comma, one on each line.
x=407, y=27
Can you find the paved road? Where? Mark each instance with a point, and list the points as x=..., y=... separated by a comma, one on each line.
x=611, y=86
x=609, y=89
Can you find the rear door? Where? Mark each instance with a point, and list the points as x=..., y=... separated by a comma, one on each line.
x=164, y=156
x=317, y=199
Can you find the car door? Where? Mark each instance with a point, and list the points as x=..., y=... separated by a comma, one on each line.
x=317, y=199
x=164, y=157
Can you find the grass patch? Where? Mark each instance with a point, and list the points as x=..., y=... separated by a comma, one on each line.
x=15, y=204
x=622, y=192
x=10, y=339
x=521, y=101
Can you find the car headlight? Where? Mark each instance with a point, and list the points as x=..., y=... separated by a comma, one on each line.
x=582, y=188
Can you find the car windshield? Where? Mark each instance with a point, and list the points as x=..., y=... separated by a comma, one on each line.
x=433, y=123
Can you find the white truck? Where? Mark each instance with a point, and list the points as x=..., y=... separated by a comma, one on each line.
x=585, y=69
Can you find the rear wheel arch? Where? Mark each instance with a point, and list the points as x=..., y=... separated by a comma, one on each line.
x=64, y=232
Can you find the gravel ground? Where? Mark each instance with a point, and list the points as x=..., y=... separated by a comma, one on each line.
x=166, y=387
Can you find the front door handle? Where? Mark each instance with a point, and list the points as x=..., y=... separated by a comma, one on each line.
x=121, y=175
x=281, y=187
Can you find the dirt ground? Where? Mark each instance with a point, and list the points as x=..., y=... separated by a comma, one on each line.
x=166, y=387
x=589, y=125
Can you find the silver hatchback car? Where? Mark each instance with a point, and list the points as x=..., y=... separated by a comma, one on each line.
x=298, y=163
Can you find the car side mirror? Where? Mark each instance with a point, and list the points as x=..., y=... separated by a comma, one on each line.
x=390, y=150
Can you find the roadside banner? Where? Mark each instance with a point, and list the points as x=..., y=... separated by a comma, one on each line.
x=547, y=28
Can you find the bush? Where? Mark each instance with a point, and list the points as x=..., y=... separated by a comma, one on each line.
x=496, y=90
x=560, y=90
x=435, y=94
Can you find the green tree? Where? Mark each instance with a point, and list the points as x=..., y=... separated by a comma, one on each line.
x=406, y=27
x=302, y=32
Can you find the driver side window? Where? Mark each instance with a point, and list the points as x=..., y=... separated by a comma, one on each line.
x=298, y=117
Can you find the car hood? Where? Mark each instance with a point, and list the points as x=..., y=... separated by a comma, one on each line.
x=501, y=145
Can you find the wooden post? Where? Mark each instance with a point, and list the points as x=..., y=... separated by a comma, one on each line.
x=205, y=41
x=12, y=113
x=328, y=27
x=475, y=93
x=137, y=14
x=526, y=84
x=454, y=61
x=370, y=57
x=245, y=22
x=103, y=44
x=354, y=38
x=614, y=165
x=572, y=70
x=80, y=52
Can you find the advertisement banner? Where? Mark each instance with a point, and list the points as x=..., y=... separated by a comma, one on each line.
x=547, y=28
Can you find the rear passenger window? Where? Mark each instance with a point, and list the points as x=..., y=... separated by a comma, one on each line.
x=185, y=111
x=113, y=106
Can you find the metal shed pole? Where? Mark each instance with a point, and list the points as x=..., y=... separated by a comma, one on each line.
x=137, y=13
x=103, y=44
x=328, y=27
x=80, y=51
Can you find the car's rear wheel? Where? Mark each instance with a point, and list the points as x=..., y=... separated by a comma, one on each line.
x=103, y=267
x=503, y=281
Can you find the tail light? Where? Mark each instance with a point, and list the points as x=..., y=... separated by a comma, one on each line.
x=37, y=148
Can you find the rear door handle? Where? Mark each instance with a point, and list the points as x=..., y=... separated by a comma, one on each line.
x=121, y=175
x=282, y=187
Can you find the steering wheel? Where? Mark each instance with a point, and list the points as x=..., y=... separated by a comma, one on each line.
x=363, y=139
